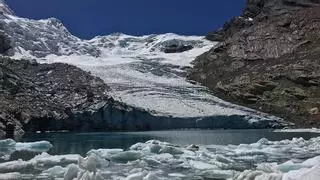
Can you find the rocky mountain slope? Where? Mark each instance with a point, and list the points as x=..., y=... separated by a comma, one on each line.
x=268, y=59
x=32, y=92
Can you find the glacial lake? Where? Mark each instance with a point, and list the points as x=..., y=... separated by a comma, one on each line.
x=81, y=143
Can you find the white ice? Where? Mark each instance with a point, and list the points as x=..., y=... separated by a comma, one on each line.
x=312, y=130
x=9, y=146
x=265, y=160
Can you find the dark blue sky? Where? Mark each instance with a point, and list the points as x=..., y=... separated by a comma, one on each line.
x=88, y=18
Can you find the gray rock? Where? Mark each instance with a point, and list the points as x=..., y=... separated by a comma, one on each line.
x=271, y=64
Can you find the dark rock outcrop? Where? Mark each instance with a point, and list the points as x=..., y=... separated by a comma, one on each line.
x=31, y=91
x=177, y=48
x=4, y=43
x=268, y=59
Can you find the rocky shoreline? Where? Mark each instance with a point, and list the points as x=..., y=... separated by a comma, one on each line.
x=268, y=60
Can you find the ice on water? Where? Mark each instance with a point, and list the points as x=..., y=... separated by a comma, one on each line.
x=294, y=159
x=9, y=146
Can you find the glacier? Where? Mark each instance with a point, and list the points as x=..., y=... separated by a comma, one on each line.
x=139, y=70
x=293, y=159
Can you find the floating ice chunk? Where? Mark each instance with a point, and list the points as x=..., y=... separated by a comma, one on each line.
x=15, y=166
x=257, y=175
x=7, y=143
x=312, y=162
x=289, y=167
x=72, y=172
x=217, y=174
x=8, y=146
x=160, y=159
x=105, y=153
x=268, y=167
x=46, y=160
x=136, y=176
x=201, y=165
x=152, y=176
x=171, y=150
x=154, y=146
x=90, y=163
x=304, y=173
x=138, y=146
x=270, y=176
x=40, y=146
x=86, y=176
x=312, y=130
x=127, y=156
x=55, y=172
x=90, y=176
x=43, y=160
x=193, y=147
x=307, y=170
x=177, y=175
x=10, y=176
x=93, y=162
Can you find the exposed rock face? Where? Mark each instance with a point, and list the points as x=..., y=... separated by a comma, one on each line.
x=31, y=91
x=177, y=49
x=4, y=43
x=268, y=59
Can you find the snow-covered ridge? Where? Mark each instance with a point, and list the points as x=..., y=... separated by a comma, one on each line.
x=5, y=9
x=139, y=70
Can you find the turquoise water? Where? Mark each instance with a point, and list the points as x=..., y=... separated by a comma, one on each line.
x=81, y=143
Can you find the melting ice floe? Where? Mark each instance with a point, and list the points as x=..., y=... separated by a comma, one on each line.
x=9, y=146
x=294, y=159
x=312, y=130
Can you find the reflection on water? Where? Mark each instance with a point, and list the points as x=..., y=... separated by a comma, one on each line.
x=81, y=143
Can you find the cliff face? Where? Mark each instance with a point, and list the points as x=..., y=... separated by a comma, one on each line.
x=31, y=91
x=268, y=59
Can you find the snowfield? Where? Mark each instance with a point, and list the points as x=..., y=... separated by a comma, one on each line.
x=294, y=159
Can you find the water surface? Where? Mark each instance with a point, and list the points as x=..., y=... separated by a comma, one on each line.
x=81, y=143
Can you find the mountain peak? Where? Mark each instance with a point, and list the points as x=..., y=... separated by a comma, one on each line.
x=4, y=8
